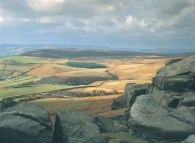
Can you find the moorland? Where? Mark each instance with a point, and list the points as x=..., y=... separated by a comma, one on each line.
x=85, y=80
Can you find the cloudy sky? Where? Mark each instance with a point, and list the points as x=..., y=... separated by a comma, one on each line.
x=111, y=23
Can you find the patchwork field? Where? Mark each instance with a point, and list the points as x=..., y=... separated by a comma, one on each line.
x=17, y=81
x=22, y=59
x=21, y=75
x=11, y=92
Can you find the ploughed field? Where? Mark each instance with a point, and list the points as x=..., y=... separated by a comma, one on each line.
x=36, y=76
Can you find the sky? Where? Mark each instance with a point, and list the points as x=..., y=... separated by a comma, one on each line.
x=110, y=23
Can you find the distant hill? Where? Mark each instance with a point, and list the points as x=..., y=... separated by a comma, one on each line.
x=82, y=53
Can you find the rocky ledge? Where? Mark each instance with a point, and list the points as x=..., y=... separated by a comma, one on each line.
x=30, y=123
x=25, y=123
x=165, y=109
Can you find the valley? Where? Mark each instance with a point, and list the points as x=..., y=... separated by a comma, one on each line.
x=29, y=77
x=91, y=86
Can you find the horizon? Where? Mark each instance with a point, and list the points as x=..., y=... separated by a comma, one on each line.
x=112, y=24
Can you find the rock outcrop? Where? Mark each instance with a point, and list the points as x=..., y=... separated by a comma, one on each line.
x=149, y=118
x=25, y=123
x=164, y=97
x=172, y=61
x=185, y=66
x=76, y=127
x=133, y=90
x=189, y=100
x=106, y=125
x=193, y=69
x=177, y=83
x=185, y=114
x=169, y=90
x=190, y=139
x=119, y=102
x=173, y=82
x=167, y=109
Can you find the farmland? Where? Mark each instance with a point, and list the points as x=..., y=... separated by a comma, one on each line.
x=17, y=81
x=34, y=73
x=22, y=59
x=5, y=93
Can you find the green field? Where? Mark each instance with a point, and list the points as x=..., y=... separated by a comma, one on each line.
x=11, y=92
x=18, y=80
x=17, y=68
x=22, y=59
x=2, y=66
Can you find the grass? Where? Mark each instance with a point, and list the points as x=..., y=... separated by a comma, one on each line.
x=53, y=105
x=2, y=66
x=22, y=59
x=122, y=137
x=17, y=81
x=17, y=68
x=11, y=92
x=92, y=105
x=66, y=68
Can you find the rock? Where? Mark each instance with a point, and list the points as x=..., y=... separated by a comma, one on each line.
x=76, y=127
x=0, y=106
x=179, y=68
x=172, y=61
x=25, y=123
x=164, y=97
x=193, y=70
x=174, y=83
x=106, y=125
x=119, y=102
x=152, y=120
x=189, y=101
x=133, y=90
x=186, y=114
x=190, y=139
x=117, y=117
x=123, y=118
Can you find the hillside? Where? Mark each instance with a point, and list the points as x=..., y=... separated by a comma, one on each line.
x=82, y=53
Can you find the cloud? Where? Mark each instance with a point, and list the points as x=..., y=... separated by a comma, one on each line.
x=1, y=19
x=100, y=19
x=129, y=19
x=110, y=8
x=48, y=6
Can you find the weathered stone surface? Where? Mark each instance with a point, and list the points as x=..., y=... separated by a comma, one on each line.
x=193, y=70
x=172, y=61
x=179, y=68
x=174, y=83
x=189, y=101
x=149, y=118
x=25, y=123
x=117, y=117
x=76, y=127
x=119, y=102
x=190, y=139
x=164, y=97
x=186, y=114
x=106, y=125
x=0, y=106
x=133, y=90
